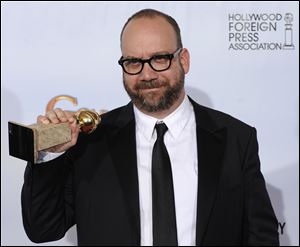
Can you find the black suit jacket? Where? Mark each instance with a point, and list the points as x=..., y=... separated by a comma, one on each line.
x=95, y=185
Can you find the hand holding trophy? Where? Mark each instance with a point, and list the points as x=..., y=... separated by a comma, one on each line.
x=57, y=131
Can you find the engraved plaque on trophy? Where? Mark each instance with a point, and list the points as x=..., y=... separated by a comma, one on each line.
x=26, y=141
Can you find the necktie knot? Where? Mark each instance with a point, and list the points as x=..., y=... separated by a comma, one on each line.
x=161, y=129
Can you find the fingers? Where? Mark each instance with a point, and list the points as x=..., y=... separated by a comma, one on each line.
x=60, y=115
x=56, y=116
x=43, y=119
x=70, y=115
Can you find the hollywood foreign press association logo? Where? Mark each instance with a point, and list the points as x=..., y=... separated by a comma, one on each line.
x=262, y=31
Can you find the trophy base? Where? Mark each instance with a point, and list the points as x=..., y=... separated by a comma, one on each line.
x=26, y=141
x=21, y=142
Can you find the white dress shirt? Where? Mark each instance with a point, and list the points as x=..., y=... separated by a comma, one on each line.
x=181, y=143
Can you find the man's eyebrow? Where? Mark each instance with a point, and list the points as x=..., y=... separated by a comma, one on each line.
x=130, y=57
x=152, y=55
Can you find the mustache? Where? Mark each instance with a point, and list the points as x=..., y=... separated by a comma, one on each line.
x=150, y=84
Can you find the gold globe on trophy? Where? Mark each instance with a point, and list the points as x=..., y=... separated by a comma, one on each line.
x=87, y=120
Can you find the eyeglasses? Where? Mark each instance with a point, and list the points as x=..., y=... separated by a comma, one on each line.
x=134, y=66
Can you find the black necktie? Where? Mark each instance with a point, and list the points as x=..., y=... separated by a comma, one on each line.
x=163, y=206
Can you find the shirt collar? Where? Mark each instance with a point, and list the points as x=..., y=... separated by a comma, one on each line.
x=176, y=121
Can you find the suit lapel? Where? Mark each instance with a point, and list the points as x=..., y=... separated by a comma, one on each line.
x=211, y=141
x=122, y=144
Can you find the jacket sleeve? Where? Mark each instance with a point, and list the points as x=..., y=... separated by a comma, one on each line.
x=260, y=225
x=47, y=200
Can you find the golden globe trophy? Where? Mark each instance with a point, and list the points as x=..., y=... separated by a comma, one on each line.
x=26, y=141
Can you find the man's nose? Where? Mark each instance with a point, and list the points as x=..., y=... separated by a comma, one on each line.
x=148, y=73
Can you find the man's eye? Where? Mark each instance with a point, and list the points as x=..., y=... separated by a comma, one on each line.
x=132, y=62
x=160, y=58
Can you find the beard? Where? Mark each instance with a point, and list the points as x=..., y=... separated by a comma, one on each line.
x=157, y=100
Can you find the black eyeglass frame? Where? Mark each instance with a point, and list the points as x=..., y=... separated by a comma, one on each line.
x=143, y=61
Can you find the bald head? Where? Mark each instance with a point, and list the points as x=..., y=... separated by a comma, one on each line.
x=150, y=15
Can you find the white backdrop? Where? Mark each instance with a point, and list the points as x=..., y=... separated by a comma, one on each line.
x=54, y=48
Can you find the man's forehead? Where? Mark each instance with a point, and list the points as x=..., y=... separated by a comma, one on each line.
x=146, y=54
x=147, y=25
x=154, y=33
x=147, y=51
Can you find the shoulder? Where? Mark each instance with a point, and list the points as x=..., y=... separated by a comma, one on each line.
x=110, y=124
x=119, y=116
x=212, y=120
x=112, y=121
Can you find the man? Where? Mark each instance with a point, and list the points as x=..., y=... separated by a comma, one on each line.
x=161, y=170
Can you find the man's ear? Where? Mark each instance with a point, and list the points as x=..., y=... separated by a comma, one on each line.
x=185, y=60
